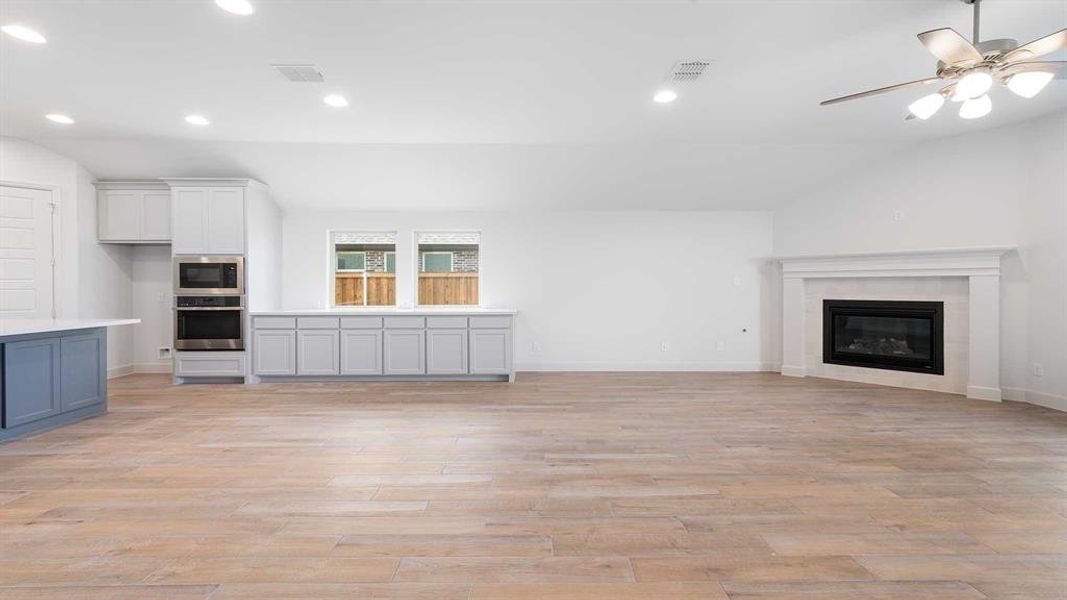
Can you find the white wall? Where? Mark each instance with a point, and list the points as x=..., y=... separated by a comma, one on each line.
x=594, y=290
x=152, y=293
x=1005, y=186
x=93, y=280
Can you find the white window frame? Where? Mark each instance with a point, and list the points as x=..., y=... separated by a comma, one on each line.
x=332, y=270
x=415, y=263
x=451, y=260
x=336, y=254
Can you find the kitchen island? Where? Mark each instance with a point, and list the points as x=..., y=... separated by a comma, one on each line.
x=52, y=372
x=383, y=343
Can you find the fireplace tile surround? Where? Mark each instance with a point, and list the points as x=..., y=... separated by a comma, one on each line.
x=967, y=280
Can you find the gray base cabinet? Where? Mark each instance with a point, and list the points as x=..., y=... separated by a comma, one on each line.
x=274, y=352
x=51, y=379
x=490, y=351
x=318, y=352
x=361, y=352
x=446, y=351
x=383, y=345
x=405, y=352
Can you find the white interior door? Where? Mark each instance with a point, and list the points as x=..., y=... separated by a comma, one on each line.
x=26, y=253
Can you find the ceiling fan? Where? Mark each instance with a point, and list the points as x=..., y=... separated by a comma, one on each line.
x=970, y=69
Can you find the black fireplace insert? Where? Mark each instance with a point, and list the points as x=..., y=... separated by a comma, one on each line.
x=895, y=335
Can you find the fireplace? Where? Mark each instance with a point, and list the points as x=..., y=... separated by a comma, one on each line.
x=895, y=335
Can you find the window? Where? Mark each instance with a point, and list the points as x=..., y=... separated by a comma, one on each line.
x=448, y=266
x=364, y=268
x=351, y=261
x=436, y=262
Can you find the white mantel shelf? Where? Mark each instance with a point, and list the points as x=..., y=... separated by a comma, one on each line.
x=940, y=262
x=980, y=265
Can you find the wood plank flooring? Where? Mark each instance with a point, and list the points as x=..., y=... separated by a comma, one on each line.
x=571, y=486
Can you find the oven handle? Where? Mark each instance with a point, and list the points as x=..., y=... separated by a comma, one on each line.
x=213, y=308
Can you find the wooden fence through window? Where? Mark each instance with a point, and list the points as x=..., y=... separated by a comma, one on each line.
x=448, y=288
x=380, y=289
x=434, y=288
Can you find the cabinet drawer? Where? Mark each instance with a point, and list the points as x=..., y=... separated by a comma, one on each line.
x=318, y=323
x=446, y=322
x=405, y=322
x=209, y=364
x=494, y=322
x=274, y=323
x=361, y=322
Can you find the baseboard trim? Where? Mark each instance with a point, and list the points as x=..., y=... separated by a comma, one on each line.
x=120, y=371
x=794, y=371
x=650, y=366
x=1052, y=401
x=979, y=392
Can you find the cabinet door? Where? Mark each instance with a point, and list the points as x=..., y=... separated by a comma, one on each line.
x=83, y=370
x=226, y=221
x=405, y=352
x=318, y=352
x=446, y=351
x=490, y=351
x=189, y=222
x=155, y=216
x=119, y=212
x=275, y=352
x=361, y=352
x=31, y=381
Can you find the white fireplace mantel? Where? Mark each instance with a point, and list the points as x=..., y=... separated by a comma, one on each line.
x=981, y=266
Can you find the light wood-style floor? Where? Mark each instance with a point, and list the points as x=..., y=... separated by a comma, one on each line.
x=618, y=486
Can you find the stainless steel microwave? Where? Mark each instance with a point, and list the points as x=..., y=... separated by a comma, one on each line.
x=203, y=275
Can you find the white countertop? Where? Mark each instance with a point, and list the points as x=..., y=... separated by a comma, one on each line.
x=387, y=311
x=9, y=327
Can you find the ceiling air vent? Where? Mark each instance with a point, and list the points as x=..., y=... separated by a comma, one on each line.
x=687, y=71
x=300, y=73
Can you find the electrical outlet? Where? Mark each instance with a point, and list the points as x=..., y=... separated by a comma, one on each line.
x=1039, y=370
x=664, y=347
x=164, y=353
x=535, y=347
x=898, y=215
x=720, y=345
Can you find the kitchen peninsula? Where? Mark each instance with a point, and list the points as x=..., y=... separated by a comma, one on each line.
x=53, y=372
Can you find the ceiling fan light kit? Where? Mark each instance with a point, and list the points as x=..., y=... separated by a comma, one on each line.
x=976, y=108
x=971, y=69
x=927, y=106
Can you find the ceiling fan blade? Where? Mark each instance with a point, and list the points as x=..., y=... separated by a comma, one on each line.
x=1040, y=47
x=949, y=46
x=1057, y=67
x=884, y=90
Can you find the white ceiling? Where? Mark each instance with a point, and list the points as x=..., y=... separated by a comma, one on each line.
x=544, y=74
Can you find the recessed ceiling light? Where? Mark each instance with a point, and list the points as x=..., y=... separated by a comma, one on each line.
x=58, y=118
x=665, y=96
x=237, y=7
x=336, y=101
x=197, y=120
x=23, y=33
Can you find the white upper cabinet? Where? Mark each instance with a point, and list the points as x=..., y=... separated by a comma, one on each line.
x=155, y=216
x=208, y=220
x=133, y=213
x=226, y=221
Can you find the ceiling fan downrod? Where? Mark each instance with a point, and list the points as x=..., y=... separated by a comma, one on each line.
x=976, y=38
